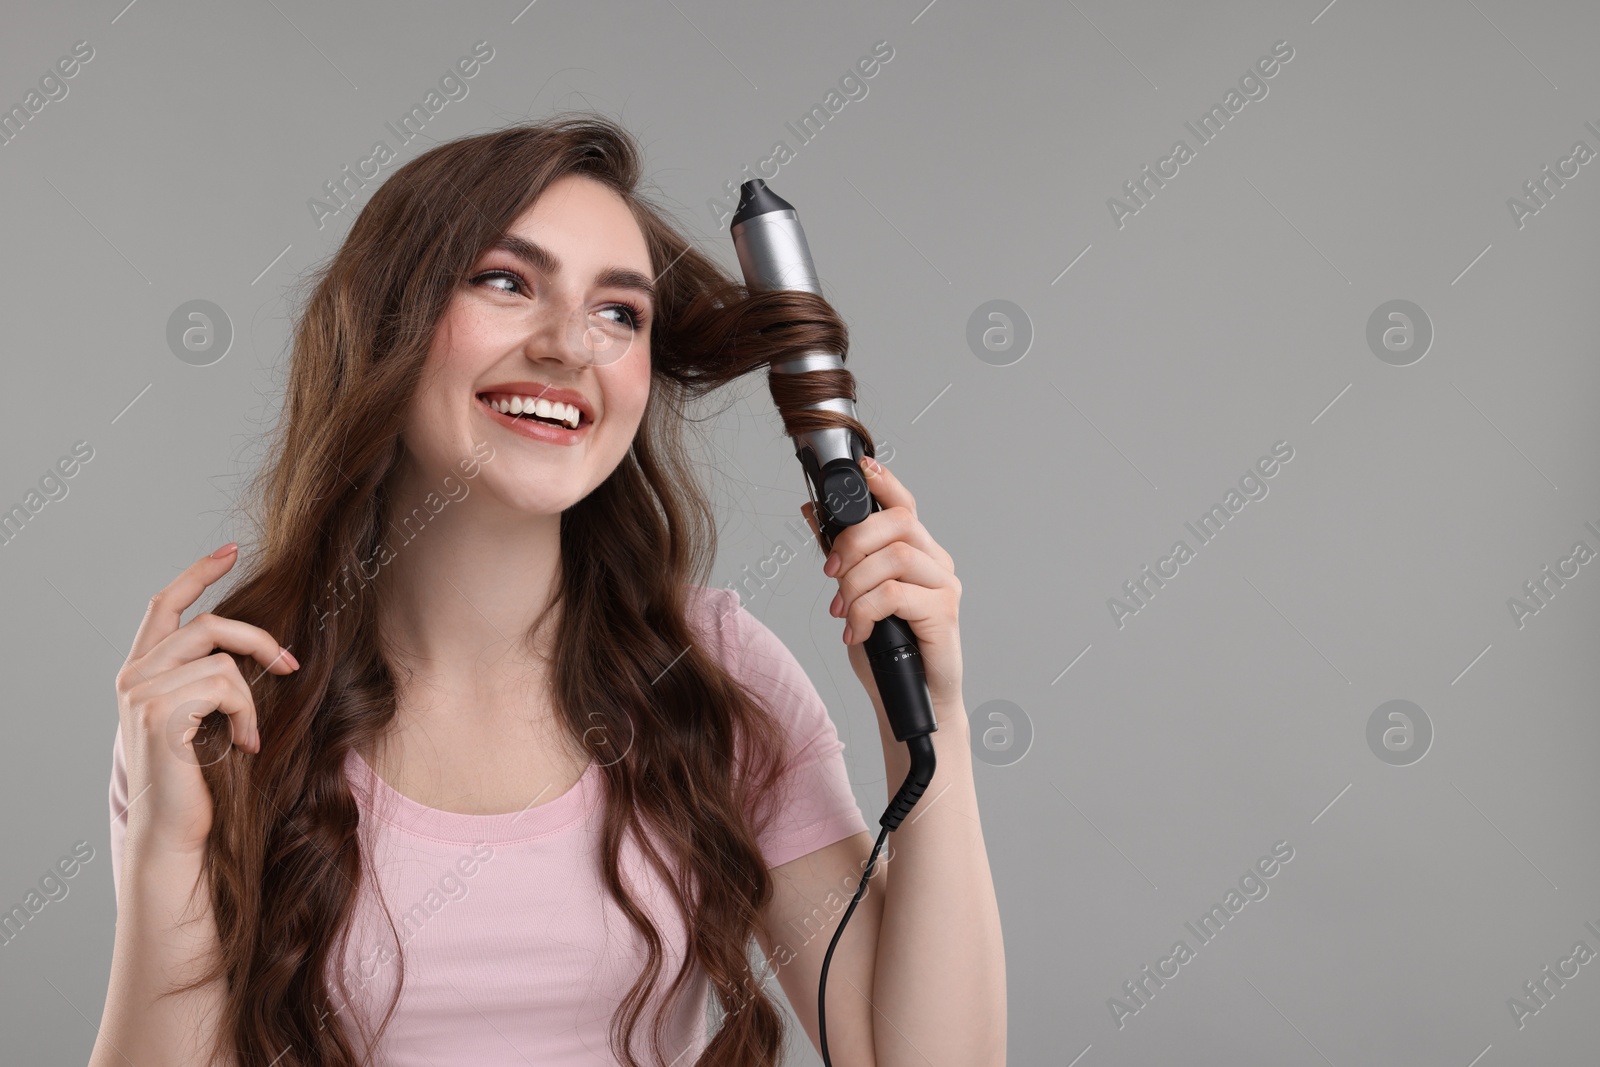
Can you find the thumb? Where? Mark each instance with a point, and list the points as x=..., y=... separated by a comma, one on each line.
x=809, y=510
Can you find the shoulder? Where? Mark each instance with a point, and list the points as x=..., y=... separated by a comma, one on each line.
x=812, y=804
x=747, y=647
x=758, y=659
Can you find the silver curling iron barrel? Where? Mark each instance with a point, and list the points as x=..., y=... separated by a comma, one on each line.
x=774, y=255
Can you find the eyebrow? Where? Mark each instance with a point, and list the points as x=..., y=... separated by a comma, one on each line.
x=544, y=261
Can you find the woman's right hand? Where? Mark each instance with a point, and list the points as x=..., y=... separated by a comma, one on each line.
x=171, y=681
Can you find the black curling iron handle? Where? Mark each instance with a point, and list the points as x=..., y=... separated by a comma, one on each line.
x=902, y=682
x=891, y=648
x=903, y=685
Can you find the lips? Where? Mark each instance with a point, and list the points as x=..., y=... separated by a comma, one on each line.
x=541, y=391
x=548, y=432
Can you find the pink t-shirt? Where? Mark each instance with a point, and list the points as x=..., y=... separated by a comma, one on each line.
x=514, y=952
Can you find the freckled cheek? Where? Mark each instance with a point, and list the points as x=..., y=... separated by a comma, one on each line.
x=626, y=387
x=469, y=339
x=449, y=388
x=641, y=369
x=471, y=348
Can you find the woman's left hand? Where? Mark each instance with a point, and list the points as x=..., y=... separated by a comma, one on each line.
x=888, y=564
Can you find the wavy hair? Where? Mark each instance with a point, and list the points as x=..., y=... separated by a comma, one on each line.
x=284, y=858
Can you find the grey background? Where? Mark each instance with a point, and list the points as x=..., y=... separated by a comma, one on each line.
x=1229, y=314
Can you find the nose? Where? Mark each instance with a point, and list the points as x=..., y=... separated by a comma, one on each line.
x=580, y=334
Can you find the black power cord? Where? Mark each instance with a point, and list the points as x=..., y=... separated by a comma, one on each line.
x=922, y=766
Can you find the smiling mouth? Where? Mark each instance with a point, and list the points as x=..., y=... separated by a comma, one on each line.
x=536, y=409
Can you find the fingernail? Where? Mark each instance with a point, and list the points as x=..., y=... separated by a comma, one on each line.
x=225, y=549
x=833, y=609
x=870, y=464
x=290, y=657
x=847, y=635
x=832, y=565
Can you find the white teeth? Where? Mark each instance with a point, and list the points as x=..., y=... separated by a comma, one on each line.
x=521, y=405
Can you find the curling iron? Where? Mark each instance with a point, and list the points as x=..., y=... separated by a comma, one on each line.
x=774, y=255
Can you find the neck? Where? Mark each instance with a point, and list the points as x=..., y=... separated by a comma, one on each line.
x=464, y=586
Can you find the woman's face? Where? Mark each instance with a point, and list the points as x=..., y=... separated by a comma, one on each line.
x=563, y=315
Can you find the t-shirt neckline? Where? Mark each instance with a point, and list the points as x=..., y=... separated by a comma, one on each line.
x=411, y=817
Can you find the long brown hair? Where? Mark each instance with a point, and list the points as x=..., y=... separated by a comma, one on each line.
x=284, y=859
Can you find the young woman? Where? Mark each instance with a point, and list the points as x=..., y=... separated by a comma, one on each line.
x=468, y=766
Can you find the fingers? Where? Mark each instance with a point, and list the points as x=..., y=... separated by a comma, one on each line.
x=905, y=600
x=205, y=632
x=188, y=673
x=164, y=642
x=877, y=530
x=888, y=489
x=898, y=563
x=809, y=510
x=166, y=608
x=175, y=703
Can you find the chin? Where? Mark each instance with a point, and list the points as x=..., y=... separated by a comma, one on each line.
x=532, y=501
x=532, y=487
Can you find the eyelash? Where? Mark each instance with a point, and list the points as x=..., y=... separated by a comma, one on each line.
x=636, y=315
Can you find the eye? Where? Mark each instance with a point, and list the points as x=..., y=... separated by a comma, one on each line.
x=632, y=316
x=511, y=276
